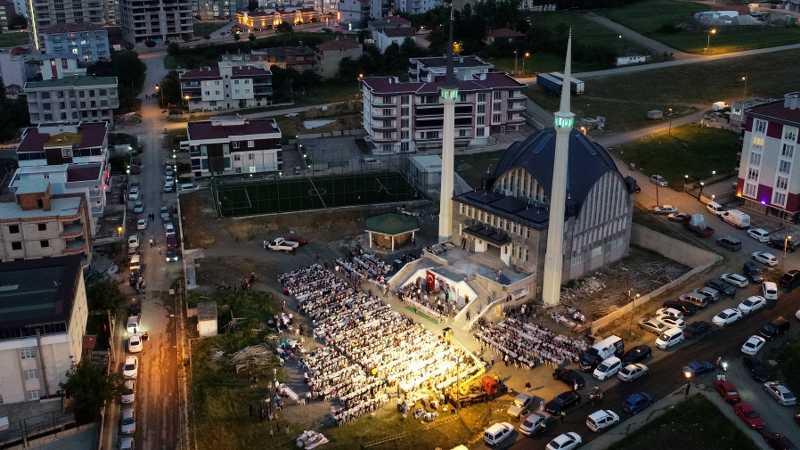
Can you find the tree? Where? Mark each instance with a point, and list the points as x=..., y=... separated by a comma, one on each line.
x=90, y=388
x=104, y=295
x=170, y=90
x=130, y=73
x=284, y=27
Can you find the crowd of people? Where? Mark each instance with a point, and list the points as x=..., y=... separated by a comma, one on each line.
x=365, y=266
x=526, y=344
x=437, y=302
x=371, y=352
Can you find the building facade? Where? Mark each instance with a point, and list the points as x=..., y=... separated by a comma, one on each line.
x=86, y=42
x=354, y=14
x=157, y=21
x=39, y=346
x=269, y=19
x=226, y=87
x=435, y=67
x=769, y=168
x=384, y=38
x=331, y=53
x=416, y=6
x=72, y=100
x=299, y=58
x=402, y=117
x=236, y=146
x=45, y=13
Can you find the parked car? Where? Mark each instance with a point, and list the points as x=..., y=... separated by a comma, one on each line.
x=127, y=421
x=781, y=243
x=790, y=279
x=133, y=324
x=671, y=337
x=141, y=224
x=497, y=433
x=780, y=393
x=133, y=241
x=722, y=287
x=562, y=402
x=637, y=354
x=632, y=372
x=711, y=293
x=138, y=207
x=571, y=378
x=778, y=441
x=729, y=243
x=164, y=214
x=672, y=322
x=637, y=402
x=282, y=245
x=774, y=328
x=685, y=308
x=699, y=367
x=753, y=345
x=169, y=229
x=726, y=317
x=727, y=391
x=601, y=420
x=131, y=367
x=607, y=369
x=521, y=405
x=663, y=210
x=534, y=424
x=759, y=234
x=752, y=304
x=669, y=312
x=696, y=329
x=565, y=441
x=766, y=258
x=758, y=370
x=652, y=325
x=748, y=415
x=678, y=217
x=752, y=271
x=693, y=298
x=128, y=394
x=734, y=279
x=715, y=208
x=135, y=344
x=658, y=180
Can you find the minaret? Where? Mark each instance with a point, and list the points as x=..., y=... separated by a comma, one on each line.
x=448, y=94
x=554, y=257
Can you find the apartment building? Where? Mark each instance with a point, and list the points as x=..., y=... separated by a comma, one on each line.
x=45, y=13
x=39, y=224
x=433, y=67
x=269, y=19
x=227, y=86
x=157, y=21
x=42, y=328
x=299, y=58
x=331, y=53
x=402, y=117
x=86, y=42
x=769, y=168
x=6, y=11
x=385, y=37
x=234, y=146
x=84, y=143
x=71, y=100
x=353, y=14
x=416, y=6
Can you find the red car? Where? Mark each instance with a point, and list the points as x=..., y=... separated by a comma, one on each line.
x=749, y=416
x=727, y=391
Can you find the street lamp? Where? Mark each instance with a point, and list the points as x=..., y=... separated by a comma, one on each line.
x=701, y=190
x=688, y=374
x=524, y=57
x=669, y=117
x=515, y=63
x=786, y=240
x=724, y=366
x=744, y=80
x=685, y=181
x=713, y=173
x=710, y=33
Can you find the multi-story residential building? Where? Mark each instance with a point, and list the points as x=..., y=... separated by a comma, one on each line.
x=769, y=169
x=416, y=6
x=299, y=58
x=41, y=333
x=85, y=143
x=385, y=37
x=86, y=42
x=156, y=21
x=39, y=224
x=388, y=22
x=226, y=87
x=44, y=13
x=433, y=67
x=331, y=53
x=407, y=116
x=219, y=9
x=378, y=9
x=111, y=11
x=20, y=7
x=269, y=19
x=6, y=11
x=234, y=146
x=354, y=14
x=72, y=100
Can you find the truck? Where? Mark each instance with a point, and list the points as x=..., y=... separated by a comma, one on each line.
x=487, y=388
x=736, y=218
x=576, y=86
x=281, y=245
x=549, y=83
x=697, y=225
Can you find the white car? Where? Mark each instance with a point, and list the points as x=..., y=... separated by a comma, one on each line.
x=734, y=279
x=672, y=322
x=669, y=312
x=135, y=344
x=752, y=304
x=726, y=317
x=601, y=419
x=780, y=393
x=133, y=241
x=765, y=258
x=141, y=224
x=759, y=234
x=133, y=325
x=282, y=245
x=164, y=213
x=632, y=372
x=565, y=441
x=664, y=209
x=131, y=367
x=658, y=180
x=769, y=290
x=533, y=423
x=607, y=369
x=133, y=190
x=127, y=421
x=169, y=229
x=128, y=392
x=654, y=326
x=138, y=207
x=497, y=433
x=753, y=345
x=133, y=195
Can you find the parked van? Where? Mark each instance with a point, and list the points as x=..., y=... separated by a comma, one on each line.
x=670, y=338
x=608, y=347
x=736, y=218
x=715, y=208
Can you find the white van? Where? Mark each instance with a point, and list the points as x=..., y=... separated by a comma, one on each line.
x=670, y=338
x=136, y=263
x=610, y=346
x=715, y=208
x=608, y=368
x=736, y=218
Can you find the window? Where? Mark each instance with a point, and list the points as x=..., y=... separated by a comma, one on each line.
x=755, y=158
x=752, y=174
x=16, y=245
x=496, y=118
x=497, y=95
x=462, y=98
x=404, y=123
x=41, y=226
x=387, y=112
x=32, y=395
x=482, y=97
x=251, y=144
x=789, y=133
x=251, y=156
x=462, y=132
x=237, y=158
x=782, y=183
x=779, y=198
x=481, y=109
x=405, y=100
x=44, y=243
x=30, y=374
x=404, y=111
x=787, y=151
x=759, y=126
x=784, y=166
x=750, y=189
x=404, y=134
x=404, y=146
x=235, y=144
x=481, y=120
x=387, y=100
x=13, y=229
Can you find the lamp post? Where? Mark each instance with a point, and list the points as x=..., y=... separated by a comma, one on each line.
x=669, y=117
x=702, y=184
x=525, y=56
x=633, y=299
x=786, y=240
x=744, y=80
x=160, y=95
x=710, y=33
x=187, y=98
x=685, y=181
x=515, y=62
x=688, y=374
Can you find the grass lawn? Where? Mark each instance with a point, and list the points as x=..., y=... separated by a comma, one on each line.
x=690, y=149
x=693, y=424
x=624, y=99
x=641, y=18
x=203, y=28
x=14, y=38
x=328, y=92
x=473, y=167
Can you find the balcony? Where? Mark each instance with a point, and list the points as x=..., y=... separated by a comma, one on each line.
x=75, y=247
x=378, y=125
x=72, y=231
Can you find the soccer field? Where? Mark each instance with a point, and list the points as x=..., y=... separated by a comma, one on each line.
x=299, y=194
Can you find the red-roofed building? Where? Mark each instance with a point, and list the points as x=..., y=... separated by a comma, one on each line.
x=230, y=85
x=502, y=35
x=402, y=117
x=769, y=168
x=234, y=146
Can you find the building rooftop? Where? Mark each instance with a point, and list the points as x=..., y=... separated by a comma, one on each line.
x=392, y=224
x=429, y=162
x=249, y=71
x=83, y=172
x=480, y=82
x=283, y=52
x=32, y=185
x=458, y=61
x=203, y=73
x=338, y=45
x=37, y=292
x=785, y=111
x=220, y=129
x=70, y=28
x=75, y=81
x=504, y=33
x=59, y=207
x=391, y=21
x=85, y=135
x=398, y=32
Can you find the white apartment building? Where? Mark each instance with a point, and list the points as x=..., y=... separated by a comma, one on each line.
x=72, y=99
x=234, y=146
x=416, y=6
x=43, y=321
x=228, y=86
x=157, y=21
x=769, y=168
